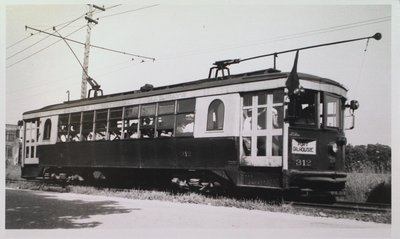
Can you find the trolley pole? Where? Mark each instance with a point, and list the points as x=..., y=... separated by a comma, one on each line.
x=90, y=20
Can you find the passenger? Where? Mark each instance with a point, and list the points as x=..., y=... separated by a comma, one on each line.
x=132, y=131
x=247, y=120
x=90, y=136
x=76, y=137
x=165, y=133
x=188, y=128
x=275, y=119
x=247, y=146
x=115, y=135
x=307, y=115
x=187, y=125
x=101, y=135
x=276, y=147
x=147, y=133
x=147, y=121
x=134, y=134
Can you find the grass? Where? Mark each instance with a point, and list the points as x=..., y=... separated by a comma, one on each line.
x=358, y=184
x=13, y=171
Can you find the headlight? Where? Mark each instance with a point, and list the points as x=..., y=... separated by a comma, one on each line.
x=333, y=147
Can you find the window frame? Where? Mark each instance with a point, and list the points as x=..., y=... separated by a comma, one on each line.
x=47, y=129
x=216, y=109
x=339, y=114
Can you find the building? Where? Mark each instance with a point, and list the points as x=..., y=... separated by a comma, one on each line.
x=12, y=143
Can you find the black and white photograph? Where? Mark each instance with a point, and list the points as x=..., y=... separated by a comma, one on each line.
x=199, y=119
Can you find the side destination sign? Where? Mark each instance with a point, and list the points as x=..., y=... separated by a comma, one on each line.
x=304, y=147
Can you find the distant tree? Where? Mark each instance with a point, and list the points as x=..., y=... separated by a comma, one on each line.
x=371, y=157
x=380, y=157
x=355, y=157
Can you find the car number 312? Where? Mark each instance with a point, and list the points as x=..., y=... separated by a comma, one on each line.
x=303, y=162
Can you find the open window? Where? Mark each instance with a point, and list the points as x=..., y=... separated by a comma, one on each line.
x=75, y=127
x=87, y=126
x=215, y=117
x=115, y=124
x=306, y=109
x=131, y=122
x=166, y=119
x=147, y=118
x=63, y=121
x=185, y=117
x=101, y=124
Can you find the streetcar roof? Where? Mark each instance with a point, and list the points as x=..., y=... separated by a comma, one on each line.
x=261, y=75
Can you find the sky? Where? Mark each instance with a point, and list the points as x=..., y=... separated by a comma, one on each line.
x=186, y=38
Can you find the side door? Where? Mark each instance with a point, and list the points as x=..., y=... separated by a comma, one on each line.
x=261, y=128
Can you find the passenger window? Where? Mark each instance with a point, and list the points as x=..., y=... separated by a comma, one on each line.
x=148, y=110
x=131, y=112
x=262, y=118
x=277, y=145
x=165, y=126
x=215, y=118
x=166, y=108
x=185, y=117
x=47, y=130
x=185, y=106
x=166, y=119
x=147, y=124
x=131, y=122
x=247, y=100
x=101, y=125
x=75, y=127
x=277, y=117
x=63, y=128
x=247, y=146
x=247, y=114
x=87, y=126
x=115, y=124
x=184, y=124
x=261, y=145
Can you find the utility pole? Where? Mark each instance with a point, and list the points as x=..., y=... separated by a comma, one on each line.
x=90, y=20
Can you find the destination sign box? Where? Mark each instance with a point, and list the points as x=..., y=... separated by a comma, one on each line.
x=302, y=147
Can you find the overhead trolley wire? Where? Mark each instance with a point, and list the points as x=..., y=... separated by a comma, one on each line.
x=32, y=34
x=43, y=48
x=26, y=48
x=323, y=30
x=303, y=34
x=99, y=47
x=133, y=10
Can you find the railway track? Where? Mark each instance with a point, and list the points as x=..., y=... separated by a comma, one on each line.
x=347, y=206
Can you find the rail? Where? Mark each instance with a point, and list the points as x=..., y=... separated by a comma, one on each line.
x=347, y=206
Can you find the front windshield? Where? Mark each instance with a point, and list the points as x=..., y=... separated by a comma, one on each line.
x=313, y=111
x=306, y=111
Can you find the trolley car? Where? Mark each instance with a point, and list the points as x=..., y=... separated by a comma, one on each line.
x=234, y=131
x=245, y=130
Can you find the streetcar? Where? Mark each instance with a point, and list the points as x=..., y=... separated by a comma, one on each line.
x=248, y=130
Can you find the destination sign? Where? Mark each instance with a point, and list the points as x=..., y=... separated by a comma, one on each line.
x=304, y=147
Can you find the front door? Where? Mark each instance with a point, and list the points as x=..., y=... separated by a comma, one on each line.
x=31, y=141
x=261, y=134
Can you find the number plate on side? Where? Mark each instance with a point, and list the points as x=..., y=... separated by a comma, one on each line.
x=304, y=147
